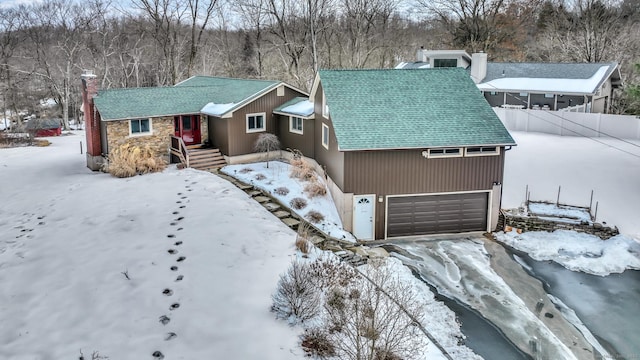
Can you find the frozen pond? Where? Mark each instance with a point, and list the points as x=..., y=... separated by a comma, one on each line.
x=609, y=306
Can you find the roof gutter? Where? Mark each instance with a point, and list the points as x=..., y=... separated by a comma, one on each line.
x=431, y=147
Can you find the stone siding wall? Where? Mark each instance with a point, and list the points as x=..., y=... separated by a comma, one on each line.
x=537, y=224
x=158, y=140
x=204, y=129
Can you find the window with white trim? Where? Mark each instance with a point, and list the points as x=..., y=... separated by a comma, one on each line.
x=255, y=122
x=139, y=127
x=444, y=152
x=295, y=125
x=482, y=151
x=325, y=136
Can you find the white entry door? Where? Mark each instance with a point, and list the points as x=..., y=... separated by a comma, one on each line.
x=363, y=214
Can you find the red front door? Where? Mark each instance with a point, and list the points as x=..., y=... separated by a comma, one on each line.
x=188, y=128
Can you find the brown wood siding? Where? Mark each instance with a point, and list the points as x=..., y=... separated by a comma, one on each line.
x=332, y=159
x=218, y=133
x=398, y=172
x=289, y=140
x=239, y=141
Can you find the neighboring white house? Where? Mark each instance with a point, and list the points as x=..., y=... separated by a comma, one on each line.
x=548, y=86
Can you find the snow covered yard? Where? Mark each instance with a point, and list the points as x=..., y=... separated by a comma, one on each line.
x=201, y=256
x=579, y=165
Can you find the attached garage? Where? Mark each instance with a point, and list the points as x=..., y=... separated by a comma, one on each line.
x=437, y=214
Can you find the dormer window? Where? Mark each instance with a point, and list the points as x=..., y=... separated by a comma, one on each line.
x=445, y=62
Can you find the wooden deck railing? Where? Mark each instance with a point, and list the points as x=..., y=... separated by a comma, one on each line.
x=179, y=149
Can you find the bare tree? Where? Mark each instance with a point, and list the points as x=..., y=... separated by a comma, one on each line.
x=267, y=143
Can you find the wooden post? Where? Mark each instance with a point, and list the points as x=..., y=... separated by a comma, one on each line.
x=591, y=202
x=526, y=195
x=595, y=216
x=80, y=147
x=558, y=198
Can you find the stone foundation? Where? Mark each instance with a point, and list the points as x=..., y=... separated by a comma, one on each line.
x=531, y=223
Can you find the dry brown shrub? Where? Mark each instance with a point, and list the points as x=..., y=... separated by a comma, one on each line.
x=260, y=177
x=282, y=191
x=127, y=160
x=41, y=143
x=298, y=203
x=315, y=189
x=302, y=239
x=245, y=170
x=302, y=169
x=314, y=216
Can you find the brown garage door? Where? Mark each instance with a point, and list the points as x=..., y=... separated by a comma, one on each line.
x=436, y=214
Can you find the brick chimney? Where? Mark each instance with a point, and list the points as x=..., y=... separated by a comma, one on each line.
x=89, y=89
x=478, y=66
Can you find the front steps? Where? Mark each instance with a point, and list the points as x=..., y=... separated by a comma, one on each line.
x=205, y=158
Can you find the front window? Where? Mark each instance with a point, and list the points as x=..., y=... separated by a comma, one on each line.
x=325, y=136
x=295, y=125
x=255, y=122
x=140, y=126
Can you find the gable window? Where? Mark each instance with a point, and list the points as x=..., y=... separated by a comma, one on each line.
x=295, y=125
x=482, y=151
x=445, y=62
x=140, y=126
x=325, y=107
x=442, y=152
x=255, y=122
x=325, y=136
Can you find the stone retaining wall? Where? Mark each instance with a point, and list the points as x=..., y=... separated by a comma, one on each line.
x=525, y=223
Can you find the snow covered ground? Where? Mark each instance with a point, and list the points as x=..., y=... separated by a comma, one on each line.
x=277, y=176
x=68, y=236
x=181, y=263
x=579, y=165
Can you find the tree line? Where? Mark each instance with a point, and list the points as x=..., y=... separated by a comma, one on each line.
x=45, y=46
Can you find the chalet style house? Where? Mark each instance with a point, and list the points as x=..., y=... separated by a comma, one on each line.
x=405, y=152
x=581, y=87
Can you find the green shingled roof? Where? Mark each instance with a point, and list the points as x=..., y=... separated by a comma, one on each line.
x=188, y=97
x=400, y=109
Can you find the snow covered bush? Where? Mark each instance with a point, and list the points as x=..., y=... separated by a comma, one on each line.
x=282, y=191
x=368, y=318
x=315, y=189
x=314, y=217
x=315, y=342
x=296, y=299
x=245, y=170
x=298, y=203
x=127, y=160
x=259, y=177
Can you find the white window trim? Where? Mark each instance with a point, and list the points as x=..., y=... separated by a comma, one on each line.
x=291, y=123
x=146, y=133
x=264, y=122
x=325, y=107
x=495, y=152
x=429, y=155
x=325, y=128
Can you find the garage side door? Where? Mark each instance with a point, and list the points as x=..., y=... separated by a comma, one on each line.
x=436, y=214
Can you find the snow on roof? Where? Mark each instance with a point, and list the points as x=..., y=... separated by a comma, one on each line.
x=547, y=85
x=302, y=108
x=214, y=109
